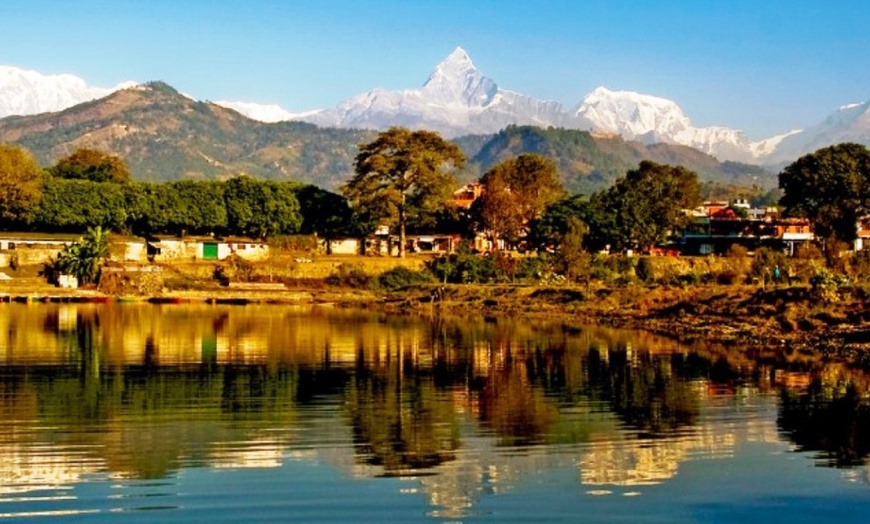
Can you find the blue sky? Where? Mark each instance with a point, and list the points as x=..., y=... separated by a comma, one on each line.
x=761, y=66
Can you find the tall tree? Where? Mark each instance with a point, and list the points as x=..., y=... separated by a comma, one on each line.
x=516, y=192
x=259, y=209
x=92, y=164
x=831, y=187
x=646, y=205
x=403, y=176
x=76, y=205
x=20, y=183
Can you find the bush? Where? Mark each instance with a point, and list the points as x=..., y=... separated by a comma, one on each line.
x=531, y=268
x=463, y=267
x=737, y=251
x=825, y=284
x=402, y=277
x=766, y=262
x=235, y=268
x=348, y=275
x=644, y=270
x=727, y=278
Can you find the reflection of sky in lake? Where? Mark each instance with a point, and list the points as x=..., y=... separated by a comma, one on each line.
x=346, y=414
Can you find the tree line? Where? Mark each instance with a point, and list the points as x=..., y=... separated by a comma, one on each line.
x=405, y=180
x=91, y=189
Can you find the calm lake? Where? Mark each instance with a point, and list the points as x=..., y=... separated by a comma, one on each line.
x=203, y=413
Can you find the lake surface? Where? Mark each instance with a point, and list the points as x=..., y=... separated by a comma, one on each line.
x=202, y=413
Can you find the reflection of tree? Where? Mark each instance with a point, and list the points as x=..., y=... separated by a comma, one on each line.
x=835, y=423
x=648, y=391
x=398, y=419
x=513, y=408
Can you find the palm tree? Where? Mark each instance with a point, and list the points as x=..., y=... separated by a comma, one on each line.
x=83, y=259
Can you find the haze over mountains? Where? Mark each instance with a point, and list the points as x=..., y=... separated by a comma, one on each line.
x=458, y=99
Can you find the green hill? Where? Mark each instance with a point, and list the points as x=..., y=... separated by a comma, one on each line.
x=589, y=162
x=164, y=135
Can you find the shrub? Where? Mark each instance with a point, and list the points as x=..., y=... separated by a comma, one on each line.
x=401, y=277
x=531, y=268
x=736, y=251
x=349, y=275
x=825, y=284
x=463, y=267
x=727, y=277
x=645, y=270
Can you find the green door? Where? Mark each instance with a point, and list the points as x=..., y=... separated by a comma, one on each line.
x=209, y=251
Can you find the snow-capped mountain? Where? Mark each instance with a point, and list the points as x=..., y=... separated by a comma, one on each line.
x=849, y=123
x=24, y=92
x=264, y=112
x=652, y=119
x=456, y=99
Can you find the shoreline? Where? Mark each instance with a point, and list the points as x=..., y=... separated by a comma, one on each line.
x=785, y=320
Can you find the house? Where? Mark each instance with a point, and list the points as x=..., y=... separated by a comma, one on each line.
x=465, y=196
x=204, y=248
x=714, y=228
x=37, y=248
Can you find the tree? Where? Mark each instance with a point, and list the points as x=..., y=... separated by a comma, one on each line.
x=20, y=183
x=647, y=204
x=571, y=259
x=324, y=213
x=516, y=192
x=83, y=259
x=259, y=209
x=93, y=165
x=76, y=205
x=831, y=187
x=546, y=231
x=403, y=176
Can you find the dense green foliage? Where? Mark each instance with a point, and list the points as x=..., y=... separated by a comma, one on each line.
x=241, y=206
x=641, y=209
x=77, y=205
x=259, y=209
x=831, y=187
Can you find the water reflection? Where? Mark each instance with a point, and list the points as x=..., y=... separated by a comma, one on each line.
x=467, y=408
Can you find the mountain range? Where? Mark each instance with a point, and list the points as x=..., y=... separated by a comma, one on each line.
x=166, y=135
x=457, y=99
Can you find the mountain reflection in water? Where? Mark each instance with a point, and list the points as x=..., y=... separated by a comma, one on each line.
x=134, y=396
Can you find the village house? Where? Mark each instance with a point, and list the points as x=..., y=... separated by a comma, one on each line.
x=716, y=226
x=204, y=248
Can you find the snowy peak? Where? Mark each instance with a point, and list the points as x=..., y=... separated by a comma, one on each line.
x=457, y=99
x=25, y=92
x=631, y=114
x=456, y=81
x=269, y=113
x=651, y=119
